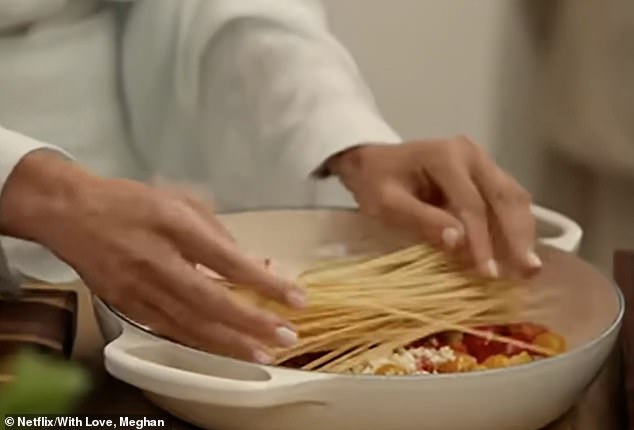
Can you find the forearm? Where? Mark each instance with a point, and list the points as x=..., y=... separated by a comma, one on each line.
x=41, y=188
x=25, y=197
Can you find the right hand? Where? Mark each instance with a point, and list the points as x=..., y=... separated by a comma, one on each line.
x=136, y=247
x=450, y=193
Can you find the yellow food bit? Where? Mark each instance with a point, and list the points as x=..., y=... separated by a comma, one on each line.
x=551, y=341
x=462, y=363
x=390, y=369
x=521, y=358
x=496, y=362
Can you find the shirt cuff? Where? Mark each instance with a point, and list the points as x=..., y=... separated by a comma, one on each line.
x=334, y=129
x=14, y=147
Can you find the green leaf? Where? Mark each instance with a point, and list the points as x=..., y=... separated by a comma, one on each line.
x=42, y=385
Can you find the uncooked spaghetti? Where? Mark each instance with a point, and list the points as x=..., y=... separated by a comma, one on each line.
x=364, y=309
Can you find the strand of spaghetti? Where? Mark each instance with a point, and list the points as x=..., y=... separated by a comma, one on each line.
x=363, y=307
x=414, y=279
x=326, y=300
x=405, y=339
x=365, y=325
x=333, y=365
x=383, y=349
x=431, y=284
x=297, y=352
x=377, y=352
x=357, y=338
x=336, y=317
x=344, y=330
x=352, y=302
x=321, y=363
x=344, y=352
x=432, y=328
x=418, y=265
x=413, y=252
x=464, y=294
x=337, y=263
x=347, y=321
x=479, y=333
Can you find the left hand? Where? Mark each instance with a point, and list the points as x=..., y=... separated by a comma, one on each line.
x=451, y=193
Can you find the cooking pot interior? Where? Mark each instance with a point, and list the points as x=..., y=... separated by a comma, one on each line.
x=584, y=303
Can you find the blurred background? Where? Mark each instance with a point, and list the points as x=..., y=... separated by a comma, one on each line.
x=547, y=86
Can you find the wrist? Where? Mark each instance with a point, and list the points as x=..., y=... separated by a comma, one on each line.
x=346, y=162
x=42, y=189
x=348, y=165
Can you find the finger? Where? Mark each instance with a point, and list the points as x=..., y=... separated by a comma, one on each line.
x=200, y=300
x=210, y=337
x=511, y=207
x=228, y=342
x=508, y=265
x=201, y=245
x=398, y=206
x=207, y=272
x=468, y=205
x=149, y=313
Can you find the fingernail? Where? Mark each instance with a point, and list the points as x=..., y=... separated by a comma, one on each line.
x=285, y=336
x=207, y=272
x=492, y=269
x=262, y=357
x=296, y=298
x=450, y=237
x=534, y=260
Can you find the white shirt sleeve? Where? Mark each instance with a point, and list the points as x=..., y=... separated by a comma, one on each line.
x=272, y=70
x=13, y=147
x=307, y=100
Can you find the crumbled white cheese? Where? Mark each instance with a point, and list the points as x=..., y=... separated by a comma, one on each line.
x=435, y=356
x=405, y=361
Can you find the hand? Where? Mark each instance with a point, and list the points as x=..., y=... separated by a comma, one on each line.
x=451, y=193
x=136, y=246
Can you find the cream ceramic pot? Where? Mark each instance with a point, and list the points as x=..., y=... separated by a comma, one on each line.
x=224, y=394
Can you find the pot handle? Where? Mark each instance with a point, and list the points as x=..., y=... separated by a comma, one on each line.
x=569, y=237
x=140, y=360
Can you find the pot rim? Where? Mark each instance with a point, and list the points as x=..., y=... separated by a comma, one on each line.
x=567, y=355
